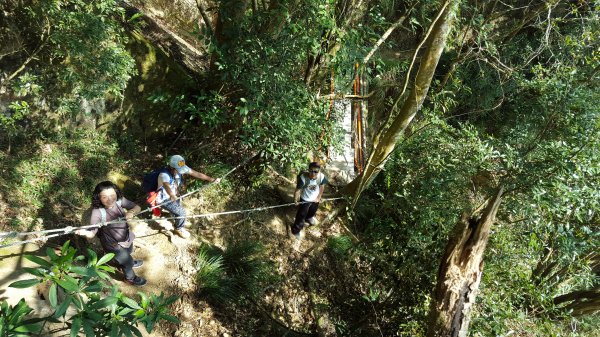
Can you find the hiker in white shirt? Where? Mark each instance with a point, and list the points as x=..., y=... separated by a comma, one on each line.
x=309, y=190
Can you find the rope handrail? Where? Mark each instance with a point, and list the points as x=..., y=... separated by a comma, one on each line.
x=15, y=234
x=70, y=229
x=201, y=187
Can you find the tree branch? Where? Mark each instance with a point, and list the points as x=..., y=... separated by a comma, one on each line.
x=385, y=35
x=205, y=17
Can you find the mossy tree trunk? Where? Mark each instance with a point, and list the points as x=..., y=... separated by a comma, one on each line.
x=385, y=141
x=460, y=273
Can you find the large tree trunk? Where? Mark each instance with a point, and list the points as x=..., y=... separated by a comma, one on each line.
x=230, y=16
x=388, y=137
x=460, y=273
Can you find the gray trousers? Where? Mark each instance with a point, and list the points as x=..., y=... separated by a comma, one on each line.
x=174, y=207
x=123, y=257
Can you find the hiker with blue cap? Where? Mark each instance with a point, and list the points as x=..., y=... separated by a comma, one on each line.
x=167, y=186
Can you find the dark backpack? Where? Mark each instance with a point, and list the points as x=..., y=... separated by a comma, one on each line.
x=151, y=179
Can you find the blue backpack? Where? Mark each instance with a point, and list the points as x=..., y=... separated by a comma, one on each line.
x=150, y=181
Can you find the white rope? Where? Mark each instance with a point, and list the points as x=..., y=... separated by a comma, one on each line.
x=204, y=215
x=201, y=187
x=70, y=229
x=15, y=234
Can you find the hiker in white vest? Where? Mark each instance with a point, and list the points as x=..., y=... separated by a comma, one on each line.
x=309, y=190
x=108, y=204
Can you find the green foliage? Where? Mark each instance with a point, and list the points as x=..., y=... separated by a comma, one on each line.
x=339, y=246
x=90, y=45
x=405, y=218
x=259, y=90
x=13, y=322
x=70, y=51
x=101, y=309
x=211, y=276
x=233, y=274
x=546, y=136
x=8, y=122
x=62, y=167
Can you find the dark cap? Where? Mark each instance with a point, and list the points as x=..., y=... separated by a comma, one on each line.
x=314, y=164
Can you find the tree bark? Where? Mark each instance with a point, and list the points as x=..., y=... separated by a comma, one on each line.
x=205, y=18
x=582, y=302
x=460, y=273
x=231, y=14
x=386, y=140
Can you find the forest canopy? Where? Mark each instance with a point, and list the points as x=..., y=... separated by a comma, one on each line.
x=475, y=211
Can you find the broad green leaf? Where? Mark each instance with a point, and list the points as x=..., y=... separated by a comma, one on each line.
x=126, y=331
x=125, y=311
x=24, y=283
x=38, y=260
x=51, y=254
x=103, y=303
x=103, y=275
x=136, y=331
x=62, y=308
x=39, y=272
x=87, y=328
x=114, y=330
x=65, y=246
x=19, y=310
x=83, y=271
x=144, y=302
x=94, y=286
x=105, y=259
x=68, y=285
x=28, y=328
x=150, y=325
x=52, y=295
x=93, y=257
x=94, y=315
x=131, y=303
x=75, y=327
x=170, y=300
x=169, y=318
x=71, y=279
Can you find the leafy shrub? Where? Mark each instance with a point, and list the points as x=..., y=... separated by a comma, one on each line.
x=12, y=322
x=234, y=273
x=338, y=246
x=101, y=309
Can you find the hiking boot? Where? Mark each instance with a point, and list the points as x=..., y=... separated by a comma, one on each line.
x=311, y=221
x=137, y=263
x=182, y=232
x=136, y=281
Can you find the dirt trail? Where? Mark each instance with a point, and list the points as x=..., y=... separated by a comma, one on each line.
x=169, y=267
